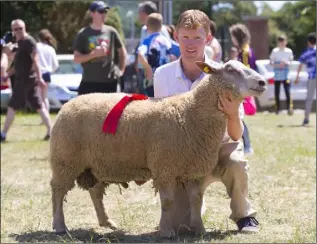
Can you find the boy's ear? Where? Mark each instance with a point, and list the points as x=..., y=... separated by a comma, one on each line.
x=175, y=36
x=208, y=68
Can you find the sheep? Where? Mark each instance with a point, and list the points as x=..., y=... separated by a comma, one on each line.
x=169, y=140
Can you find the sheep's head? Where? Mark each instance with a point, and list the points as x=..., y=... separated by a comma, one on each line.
x=235, y=76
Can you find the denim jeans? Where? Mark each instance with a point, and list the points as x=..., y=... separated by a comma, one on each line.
x=141, y=81
x=246, y=137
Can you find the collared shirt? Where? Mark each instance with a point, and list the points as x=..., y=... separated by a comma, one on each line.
x=170, y=80
x=277, y=56
x=308, y=57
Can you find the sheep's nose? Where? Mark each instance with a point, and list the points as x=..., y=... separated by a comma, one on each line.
x=262, y=83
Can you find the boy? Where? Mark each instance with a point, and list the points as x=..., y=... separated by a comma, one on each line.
x=308, y=57
x=193, y=34
x=154, y=50
x=281, y=58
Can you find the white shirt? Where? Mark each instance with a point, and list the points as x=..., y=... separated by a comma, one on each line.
x=278, y=54
x=47, y=58
x=170, y=80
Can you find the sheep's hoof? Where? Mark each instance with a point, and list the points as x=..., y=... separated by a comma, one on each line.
x=110, y=224
x=167, y=233
x=59, y=230
x=198, y=229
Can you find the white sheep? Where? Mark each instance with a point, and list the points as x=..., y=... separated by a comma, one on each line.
x=169, y=140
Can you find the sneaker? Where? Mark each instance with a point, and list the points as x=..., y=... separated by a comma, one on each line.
x=248, y=224
x=305, y=122
x=290, y=112
x=248, y=151
x=3, y=138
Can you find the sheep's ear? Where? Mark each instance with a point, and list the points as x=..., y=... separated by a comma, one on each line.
x=207, y=68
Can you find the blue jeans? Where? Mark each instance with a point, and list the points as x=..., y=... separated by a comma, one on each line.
x=246, y=137
x=141, y=77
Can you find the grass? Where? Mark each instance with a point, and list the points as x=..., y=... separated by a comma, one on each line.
x=282, y=188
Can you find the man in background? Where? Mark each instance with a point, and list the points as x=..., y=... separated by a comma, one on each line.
x=308, y=57
x=28, y=78
x=94, y=48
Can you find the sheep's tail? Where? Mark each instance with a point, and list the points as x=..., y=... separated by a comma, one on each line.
x=87, y=180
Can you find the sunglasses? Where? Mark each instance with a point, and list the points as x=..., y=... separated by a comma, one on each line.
x=17, y=29
x=101, y=11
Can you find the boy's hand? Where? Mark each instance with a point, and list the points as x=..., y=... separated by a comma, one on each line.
x=149, y=74
x=229, y=106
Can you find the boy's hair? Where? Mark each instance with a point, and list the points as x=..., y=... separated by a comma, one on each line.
x=241, y=33
x=311, y=38
x=154, y=22
x=281, y=38
x=148, y=7
x=193, y=19
x=213, y=28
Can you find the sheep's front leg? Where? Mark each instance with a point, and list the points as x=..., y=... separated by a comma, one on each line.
x=96, y=194
x=195, y=195
x=167, y=201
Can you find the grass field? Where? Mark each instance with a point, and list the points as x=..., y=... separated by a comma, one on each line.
x=282, y=188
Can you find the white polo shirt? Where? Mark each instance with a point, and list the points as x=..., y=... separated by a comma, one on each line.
x=170, y=80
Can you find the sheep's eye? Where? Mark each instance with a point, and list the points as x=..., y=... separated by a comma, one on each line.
x=233, y=70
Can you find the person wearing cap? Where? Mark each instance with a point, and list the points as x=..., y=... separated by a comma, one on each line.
x=280, y=58
x=94, y=48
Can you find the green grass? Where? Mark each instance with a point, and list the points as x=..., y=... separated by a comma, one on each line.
x=282, y=188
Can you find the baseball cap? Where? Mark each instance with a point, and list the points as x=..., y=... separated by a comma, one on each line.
x=98, y=6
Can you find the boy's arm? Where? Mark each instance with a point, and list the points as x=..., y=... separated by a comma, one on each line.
x=145, y=64
x=234, y=124
x=302, y=61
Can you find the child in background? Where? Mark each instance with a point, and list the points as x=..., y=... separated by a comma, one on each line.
x=154, y=50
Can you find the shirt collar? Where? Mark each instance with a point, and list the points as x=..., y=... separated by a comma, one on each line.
x=179, y=71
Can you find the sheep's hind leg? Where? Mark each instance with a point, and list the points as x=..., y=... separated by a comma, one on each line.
x=96, y=194
x=58, y=195
x=195, y=196
x=167, y=201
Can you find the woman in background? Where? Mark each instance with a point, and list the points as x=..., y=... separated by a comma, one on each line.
x=240, y=37
x=47, y=59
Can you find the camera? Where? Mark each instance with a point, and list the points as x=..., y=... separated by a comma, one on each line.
x=8, y=37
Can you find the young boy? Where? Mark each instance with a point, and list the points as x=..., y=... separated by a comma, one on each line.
x=154, y=50
x=182, y=75
x=308, y=57
x=280, y=58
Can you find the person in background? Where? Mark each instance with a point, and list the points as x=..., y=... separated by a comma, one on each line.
x=175, y=52
x=94, y=49
x=28, y=78
x=5, y=78
x=214, y=44
x=308, y=57
x=233, y=54
x=154, y=50
x=240, y=37
x=281, y=57
x=146, y=8
x=47, y=59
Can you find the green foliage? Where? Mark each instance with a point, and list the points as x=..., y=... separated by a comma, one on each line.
x=63, y=18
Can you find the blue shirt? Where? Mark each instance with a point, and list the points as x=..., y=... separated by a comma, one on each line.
x=175, y=49
x=156, y=49
x=308, y=57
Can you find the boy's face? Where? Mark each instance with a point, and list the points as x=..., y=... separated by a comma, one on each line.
x=282, y=43
x=192, y=42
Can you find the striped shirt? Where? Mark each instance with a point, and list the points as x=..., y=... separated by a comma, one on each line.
x=308, y=57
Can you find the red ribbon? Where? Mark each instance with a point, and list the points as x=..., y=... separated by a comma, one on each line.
x=112, y=120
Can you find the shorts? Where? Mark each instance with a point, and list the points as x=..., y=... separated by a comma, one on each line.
x=46, y=77
x=93, y=87
x=25, y=90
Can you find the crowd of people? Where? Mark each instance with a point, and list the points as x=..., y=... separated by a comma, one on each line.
x=165, y=66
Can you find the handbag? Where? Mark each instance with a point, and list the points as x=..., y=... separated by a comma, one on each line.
x=249, y=106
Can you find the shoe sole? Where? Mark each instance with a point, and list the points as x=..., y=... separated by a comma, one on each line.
x=250, y=230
